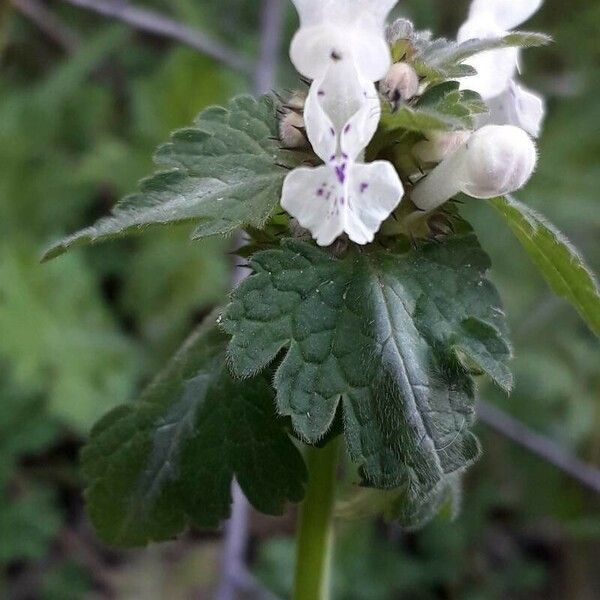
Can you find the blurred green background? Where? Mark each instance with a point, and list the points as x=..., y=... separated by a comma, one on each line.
x=83, y=103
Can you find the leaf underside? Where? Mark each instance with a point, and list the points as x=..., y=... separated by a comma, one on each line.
x=223, y=173
x=392, y=335
x=169, y=459
x=564, y=269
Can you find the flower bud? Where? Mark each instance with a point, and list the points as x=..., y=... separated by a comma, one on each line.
x=499, y=160
x=292, y=131
x=400, y=83
x=496, y=160
x=292, y=128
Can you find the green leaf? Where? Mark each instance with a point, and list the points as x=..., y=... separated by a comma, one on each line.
x=558, y=261
x=398, y=506
x=225, y=172
x=442, y=107
x=168, y=460
x=445, y=55
x=437, y=59
x=419, y=119
x=383, y=332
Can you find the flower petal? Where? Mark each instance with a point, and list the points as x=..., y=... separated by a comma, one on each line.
x=507, y=14
x=375, y=190
x=516, y=106
x=495, y=68
x=313, y=196
x=439, y=145
x=342, y=112
x=329, y=201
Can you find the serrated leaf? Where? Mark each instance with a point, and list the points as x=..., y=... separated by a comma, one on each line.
x=225, y=172
x=168, y=460
x=377, y=330
x=561, y=265
x=442, y=107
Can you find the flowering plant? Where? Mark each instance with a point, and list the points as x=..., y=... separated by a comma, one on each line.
x=368, y=314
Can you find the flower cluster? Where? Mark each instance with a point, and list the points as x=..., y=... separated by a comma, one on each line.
x=499, y=158
x=342, y=49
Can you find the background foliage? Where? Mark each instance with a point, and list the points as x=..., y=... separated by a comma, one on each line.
x=84, y=333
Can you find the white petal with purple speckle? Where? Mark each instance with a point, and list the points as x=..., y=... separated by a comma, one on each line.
x=347, y=197
x=342, y=112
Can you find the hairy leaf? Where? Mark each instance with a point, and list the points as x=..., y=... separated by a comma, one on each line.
x=445, y=55
x=397, y=505
x=558, y=261
x=169, y=459
x=225, y=172
x=442, y=107
x=389, y=334
x=438, y=58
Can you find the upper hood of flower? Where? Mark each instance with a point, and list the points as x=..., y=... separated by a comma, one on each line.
x=492, y=19
x=506, y=14
x=330, y=29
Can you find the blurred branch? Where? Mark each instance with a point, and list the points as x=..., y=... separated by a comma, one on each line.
x=541, y=446
x=161, y=25
x=234, y=546
x=234, y=574
x=45, y=20
x=265, y=73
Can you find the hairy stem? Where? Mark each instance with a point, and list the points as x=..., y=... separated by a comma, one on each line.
x=315, y=528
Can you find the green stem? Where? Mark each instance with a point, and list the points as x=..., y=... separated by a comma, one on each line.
x=315, y=529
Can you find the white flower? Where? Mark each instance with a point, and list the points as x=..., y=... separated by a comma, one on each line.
x=496, y=160
x=516, y=106
x=509, y=102
x=507, y=14
x=438, y=145
x=342, y=28
x=341, y=46
x=343, y=196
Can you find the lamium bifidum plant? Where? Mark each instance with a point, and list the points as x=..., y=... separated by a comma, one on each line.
x=367, y=315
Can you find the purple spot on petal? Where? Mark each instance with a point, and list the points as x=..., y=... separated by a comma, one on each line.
x=342, y=201
x=344, y=156
x=341, y=172
x=363, y=187
x=347, y=128
x=332, y=131
x=320, y=192
x=321, y=93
